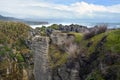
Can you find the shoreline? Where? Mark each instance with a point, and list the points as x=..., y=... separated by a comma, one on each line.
x=89, y=25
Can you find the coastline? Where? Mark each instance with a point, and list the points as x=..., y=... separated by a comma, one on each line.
x=89, y=25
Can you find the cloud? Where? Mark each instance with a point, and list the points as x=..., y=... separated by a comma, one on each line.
x=77, y=10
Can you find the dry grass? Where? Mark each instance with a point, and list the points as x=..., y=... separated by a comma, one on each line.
x=72, y=50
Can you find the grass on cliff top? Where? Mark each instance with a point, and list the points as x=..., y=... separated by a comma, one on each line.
x=78, y=36
x=113, y=41
x=14, y=34
x=13, y=31
x=93, y=43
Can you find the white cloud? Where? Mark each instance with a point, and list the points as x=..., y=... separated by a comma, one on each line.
x=114, y=9
x=79, y=10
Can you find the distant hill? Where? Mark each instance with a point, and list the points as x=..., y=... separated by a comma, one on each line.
x=8, y=18
x=4, y=18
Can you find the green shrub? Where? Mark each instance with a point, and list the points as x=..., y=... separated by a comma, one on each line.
x=54, y=26
x=19, y=57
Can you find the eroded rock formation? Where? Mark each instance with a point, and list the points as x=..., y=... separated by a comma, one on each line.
x=40, y=47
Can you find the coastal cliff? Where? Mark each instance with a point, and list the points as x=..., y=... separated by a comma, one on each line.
x=32, y=54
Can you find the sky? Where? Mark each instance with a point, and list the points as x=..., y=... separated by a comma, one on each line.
x=96, y=10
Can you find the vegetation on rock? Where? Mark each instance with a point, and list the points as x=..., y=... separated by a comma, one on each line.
x=13, y=49
x=75, y=52
x=95, y=55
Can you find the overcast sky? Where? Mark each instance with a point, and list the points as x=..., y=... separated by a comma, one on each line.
x=62, y=9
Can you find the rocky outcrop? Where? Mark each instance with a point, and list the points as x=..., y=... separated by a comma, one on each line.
x=66, y=28
x=73, y=28
x=40, y=46
x=58, y=38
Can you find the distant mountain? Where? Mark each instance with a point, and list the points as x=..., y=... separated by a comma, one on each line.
x=30, y=22
x=9, y=18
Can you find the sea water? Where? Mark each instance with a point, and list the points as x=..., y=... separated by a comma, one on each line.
x=89, y=25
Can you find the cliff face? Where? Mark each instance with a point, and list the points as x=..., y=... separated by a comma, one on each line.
x=40, y=46
x=42, y=65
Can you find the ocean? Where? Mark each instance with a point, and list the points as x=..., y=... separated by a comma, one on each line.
x=89, y=25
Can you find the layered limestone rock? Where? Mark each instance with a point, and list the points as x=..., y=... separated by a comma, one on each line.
x=58, y=38
x=40, y=46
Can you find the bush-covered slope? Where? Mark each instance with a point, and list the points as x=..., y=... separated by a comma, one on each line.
x=13, y=50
